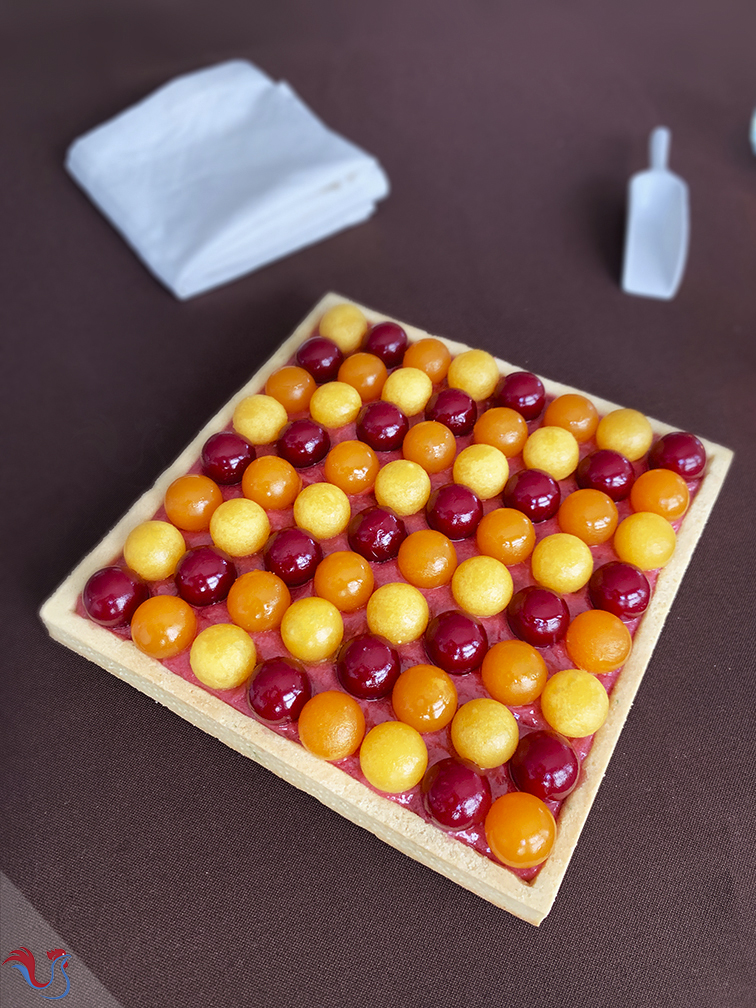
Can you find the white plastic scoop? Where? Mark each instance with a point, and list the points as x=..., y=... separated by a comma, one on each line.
x=656, y=239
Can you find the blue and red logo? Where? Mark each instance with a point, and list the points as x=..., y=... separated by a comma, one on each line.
x=23, y=960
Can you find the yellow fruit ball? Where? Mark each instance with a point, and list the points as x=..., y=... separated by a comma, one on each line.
x=562, y=562
x=335, y=404
x=409, y=389
x=260, y=419
x=323, y=510
x=475, y=372
x=625, y=431
x=644, y=539
x=485, y=732
x=312, y=629
x=574, y=703
x=482, y=586
x=552, y=449
x=153, y=549
x=482, y=468
x=424, y=697
x=223, y=656
x=331, y=725
x=398, y=612
x=240, y=527
x=403, y=486
x=393, y=757
x=345, y=325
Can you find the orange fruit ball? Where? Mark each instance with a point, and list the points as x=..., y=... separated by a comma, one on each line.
x=257, y=601
x=163, y=626
x=514, y=673
x=345, y=579
x=393, y=757
x=661, y=492
x=644, y=539
x=190, y=502
x=431, y=445
x=331, y=725
x=598, y=641
x=475, y=372
x=520, y=830
x=292, y=387
x=625, y=431
x=312, y=629
x=153, y=548
x=429, y=355
x=223, y=656
x=485, y=732
x=503, y=428
x=574, y=703
x=591, y=515
x=424, y=697
x=260, y=419
x=271, y=482
x=575, y=413
x=366, y=373
x=352, y=466
x=346, y=325
x=427, y=559
x=506, y=535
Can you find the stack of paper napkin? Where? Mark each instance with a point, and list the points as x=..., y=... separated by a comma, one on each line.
x=220, y=172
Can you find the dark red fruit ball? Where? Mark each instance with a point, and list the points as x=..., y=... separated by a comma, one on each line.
x=454, y=510
x=455, y=642
x=376, y=534
x=608, y=471
x=304, y=443
x=382, y=426
x=538, y=616
x=621, y=589
x=533, y=492
x=112, y=595
x=545, y=765
x=279, y=689
x=321, y=357
x=368, y=667
x=293, y=556
x=681, y=452
x=524, y=392
x=225, y=456
x=388, y=341
x=453, y=408
x=204, y=576
x=455, y=796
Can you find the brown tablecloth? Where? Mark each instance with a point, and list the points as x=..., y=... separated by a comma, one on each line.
x=184, y=874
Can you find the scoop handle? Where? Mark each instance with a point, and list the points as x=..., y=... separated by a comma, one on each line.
x=658, y=148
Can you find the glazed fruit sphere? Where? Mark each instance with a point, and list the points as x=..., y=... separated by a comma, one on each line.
x=574, y=703
x=454, y=510
x=503, y=428
x=681, y=452
x=607, y=471
x=402, y=486
x=112, y=595
x=409, y=389
x=575, y=413
x=312, y=629
x=393, y=757
x=368, y=667
x=429, y=355
x=388, y=341
x=352, y=466
x=644, y=539
x=323, y=510
x=591, y=515
x=293, y=556
x=304, y=443
x=427, y=559
x=453, y=408
x=335, y=404
x=376, y=534
x=455, y=642
x=553, y=450
x=514, y=673
x=271, y=482
x=223, y=656
x=506, y=535
x=163, y=626
x=538, y=616
x=425, y=698
x=482, y=586
x=240, y=527
x=153, y=549
x=190, y=502
x=523, y=392
x=398, y=612
x=598, y=641
x=533, y=492
x=279, y=690
x=661, y=491
x=431, y=445
x=258, y=600
x=562, y=563
x=345, y=579
x=366, y=373
x=455, y=795
x=260, y=419
x=321, y=358
x=625, y=431
x=204, y=576
x=225, y=456
x=545, y=765
x=475, y=372
x=484, y=732
x=382, y=426
x=482, y=468
x=520, y=830
x=345, y=325
x=292, y=387
x=331, y=725
x=621, y=589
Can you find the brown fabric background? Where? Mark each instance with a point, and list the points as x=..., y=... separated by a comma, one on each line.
x=185, y=874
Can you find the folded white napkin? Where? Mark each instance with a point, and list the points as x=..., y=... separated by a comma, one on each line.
x=220, y=172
